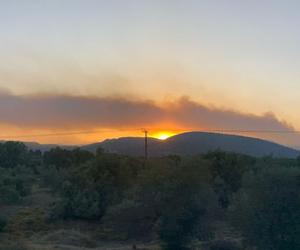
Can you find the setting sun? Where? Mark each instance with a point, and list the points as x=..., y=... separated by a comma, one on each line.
x=163, y=135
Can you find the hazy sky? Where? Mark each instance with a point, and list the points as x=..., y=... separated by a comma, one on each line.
x=237, y=56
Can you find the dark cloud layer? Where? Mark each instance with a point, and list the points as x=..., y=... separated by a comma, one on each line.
x=90, y=112
x=77, y=112
x=194, y=114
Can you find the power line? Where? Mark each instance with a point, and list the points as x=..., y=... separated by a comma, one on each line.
x=114, y=130
x=66, y=133
x=253, y=131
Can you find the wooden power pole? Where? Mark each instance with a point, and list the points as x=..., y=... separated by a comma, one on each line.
x=146, y=142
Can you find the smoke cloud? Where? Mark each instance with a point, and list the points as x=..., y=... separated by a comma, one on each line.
x=78, y=112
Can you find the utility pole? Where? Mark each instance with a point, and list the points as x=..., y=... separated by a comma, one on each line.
x=146, y=143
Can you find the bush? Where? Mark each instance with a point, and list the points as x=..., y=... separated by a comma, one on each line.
x=227, y=172
x=13, y=154
x=22, y=188
x=267, y=209
x=224, y=245
x=185, y=198
x=130, y=220
x=77, y=203
x=3, y=223
x=9, y=196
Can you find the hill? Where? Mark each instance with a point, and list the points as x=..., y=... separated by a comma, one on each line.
x=45, y=147
x=126, y=145
x=192, y=143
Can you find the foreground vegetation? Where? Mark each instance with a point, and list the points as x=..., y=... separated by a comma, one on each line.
x=213, y=201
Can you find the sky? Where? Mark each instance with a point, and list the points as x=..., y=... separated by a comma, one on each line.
x=110, y=68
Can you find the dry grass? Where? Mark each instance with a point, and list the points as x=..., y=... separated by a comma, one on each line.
x=64, y=239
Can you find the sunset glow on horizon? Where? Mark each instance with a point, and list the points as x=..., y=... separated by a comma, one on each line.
x=163, y=135
x=118, y=66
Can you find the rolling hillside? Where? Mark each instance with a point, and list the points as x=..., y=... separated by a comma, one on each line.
x=193, y=143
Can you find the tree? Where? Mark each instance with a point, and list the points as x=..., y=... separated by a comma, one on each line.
x=63, y=158
x=267, y=209
x=186, y=201
x=58, y=157
x=13, y=154
x=227, y=172
x=180, y=197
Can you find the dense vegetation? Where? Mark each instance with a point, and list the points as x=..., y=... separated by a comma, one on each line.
x=213, y=201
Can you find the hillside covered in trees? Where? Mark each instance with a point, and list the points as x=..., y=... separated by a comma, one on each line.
x=75, y=199
x=193, y=143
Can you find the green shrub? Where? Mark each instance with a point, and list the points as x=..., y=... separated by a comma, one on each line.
x=77, y=203
x=3, y=223
x=9, y=196
x=180, y=195
x=129, y=220
x=267, y=210
x=224, y=245
x=22, y=188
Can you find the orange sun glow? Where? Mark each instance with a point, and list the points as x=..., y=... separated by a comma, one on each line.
x=163, y=135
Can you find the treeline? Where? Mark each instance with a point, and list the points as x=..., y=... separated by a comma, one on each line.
x=181, y=201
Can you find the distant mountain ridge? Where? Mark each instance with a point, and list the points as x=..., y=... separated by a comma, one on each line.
x=42, y=147
x=192, y=143
x=189, y=143
x=45, y=147
x=126, y=145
